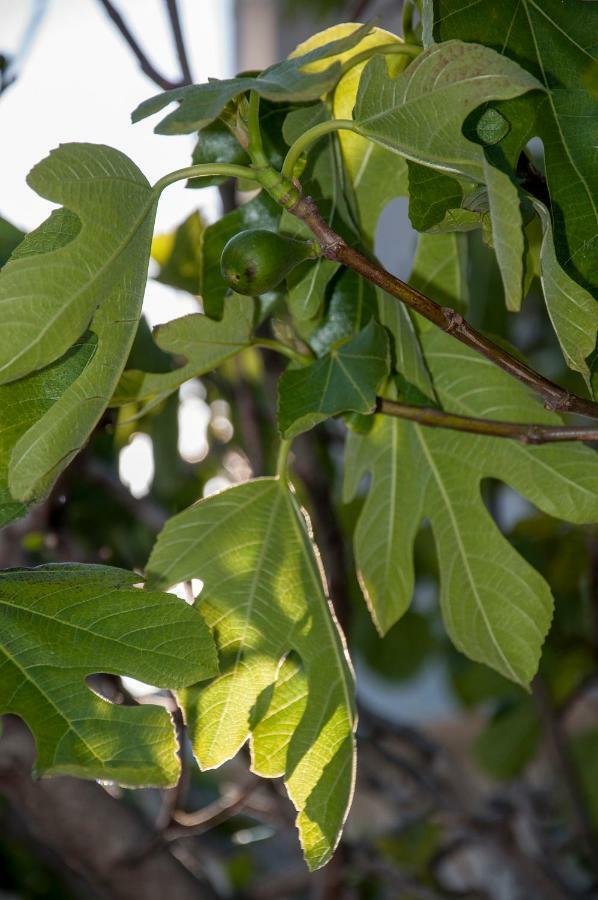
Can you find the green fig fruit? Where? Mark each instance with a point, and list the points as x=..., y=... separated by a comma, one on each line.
x=256, y=260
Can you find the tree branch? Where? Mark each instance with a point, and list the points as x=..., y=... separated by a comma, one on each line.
x=146, y=66
x=179, y=41
x=449, y=320
x=92, y=833
x=516, y=431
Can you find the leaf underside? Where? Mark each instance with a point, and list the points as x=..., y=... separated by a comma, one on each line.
x=263, y=598
x=62, y=623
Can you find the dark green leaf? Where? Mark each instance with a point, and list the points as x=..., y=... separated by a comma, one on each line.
x=431, y=195
x=10, y=237
x=25, y=402
x=347, y=379
x=351, y=305
x=216, y=144
x=556, y=42
x=179, y=256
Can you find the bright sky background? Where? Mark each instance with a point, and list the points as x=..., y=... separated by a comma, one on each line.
x=79, y=82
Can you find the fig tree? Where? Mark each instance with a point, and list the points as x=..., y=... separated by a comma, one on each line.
x=256, y=260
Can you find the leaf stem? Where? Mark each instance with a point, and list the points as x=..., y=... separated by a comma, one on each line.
x=282, y=460
x=407, y=21
x=526, y=433
x=204, y=170
x=394, y=49
x=279, y=347
x=256, y=147
x=309, y=137
x=443, y=317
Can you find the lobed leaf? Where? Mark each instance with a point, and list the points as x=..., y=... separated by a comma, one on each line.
x=62, y=623
x=203, y=342
x=24, y=402
x=556, y=42
x=497, y=609
x=264, y=597
x=293, y=79
x=68, y=264
x=112, y=210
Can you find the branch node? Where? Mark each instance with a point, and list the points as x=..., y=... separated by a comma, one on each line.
x=454, y=320
x=560, y=404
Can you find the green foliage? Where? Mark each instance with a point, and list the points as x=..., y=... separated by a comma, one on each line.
x=261, y=212
x=76, y=267
x=25, y=402
x=200, y=104
x=260, y=657
x=63, y=623
x=556, y=43
x=204, y=344
x=420, y=472
x=10, y=238
x=263, y=596
x=180, y=255
x=347, y=379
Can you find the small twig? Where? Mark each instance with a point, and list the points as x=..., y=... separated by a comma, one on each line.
x=189, y=824
x=359, y=10
x=566, y=770
x=146, y=66
x=516, y=431
x=179, y=41
x=448, y=320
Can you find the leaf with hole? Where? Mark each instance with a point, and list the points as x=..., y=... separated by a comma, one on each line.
x=264, y=599
x=496, y=608
x=63, y=623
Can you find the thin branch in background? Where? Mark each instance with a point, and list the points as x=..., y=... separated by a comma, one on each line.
x=359, y=10
x=146, y=65
x=443, y=317
x=189, y=824
x=179, y=41
x=566, y=770
x=515, y=431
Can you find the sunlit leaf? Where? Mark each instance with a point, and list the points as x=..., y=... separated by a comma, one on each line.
x=496, y=608
x=62, y=623
x=263, y=597
x=203, y=342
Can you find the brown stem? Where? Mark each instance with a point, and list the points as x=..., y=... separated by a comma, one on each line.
x=516, y=431
x=447, y=319
x=179, y=41
x=146, y=66
x=186, y=825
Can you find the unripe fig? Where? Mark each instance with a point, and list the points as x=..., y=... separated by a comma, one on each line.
x=256, y=260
